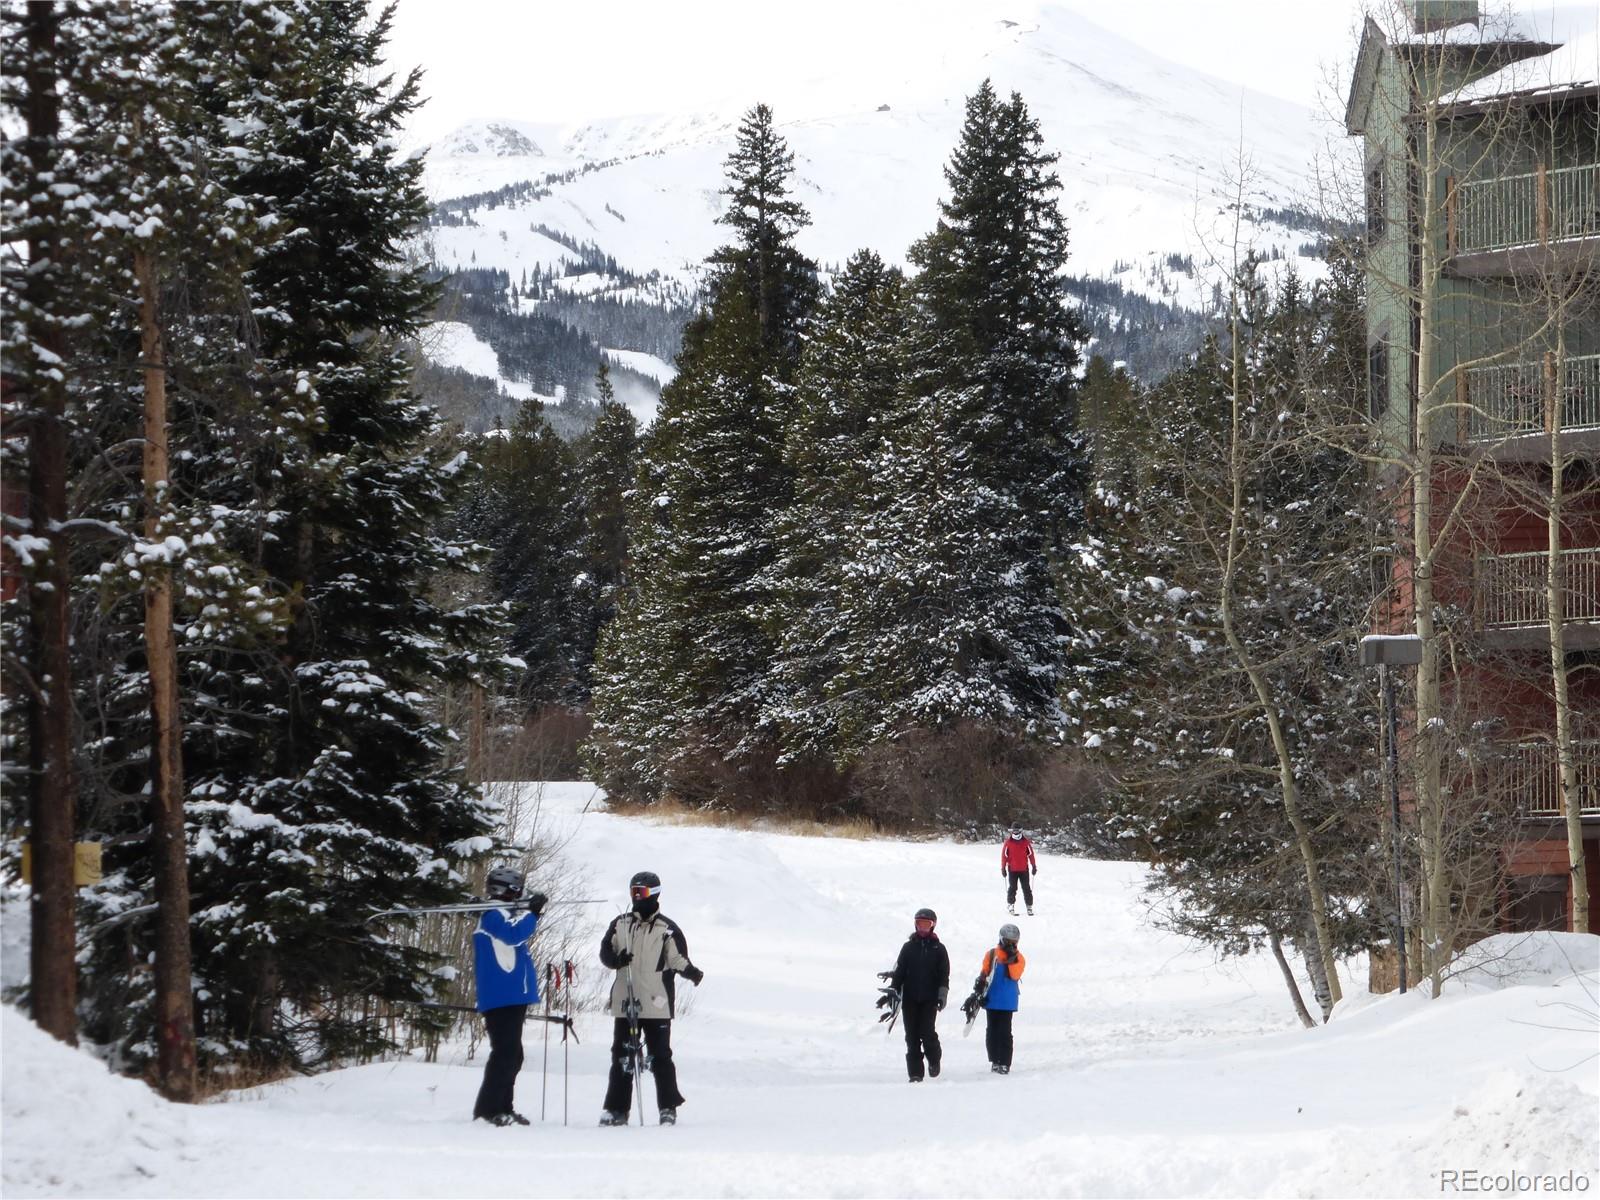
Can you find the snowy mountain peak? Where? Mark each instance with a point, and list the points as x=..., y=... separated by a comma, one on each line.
x=491, y=139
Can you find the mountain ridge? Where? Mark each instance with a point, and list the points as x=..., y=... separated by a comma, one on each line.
x=1146, y=164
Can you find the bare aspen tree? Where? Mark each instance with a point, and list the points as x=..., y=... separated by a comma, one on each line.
x=1271, y=704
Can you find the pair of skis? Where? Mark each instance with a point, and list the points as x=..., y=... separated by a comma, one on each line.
x=635, y=1061
x=476, y=906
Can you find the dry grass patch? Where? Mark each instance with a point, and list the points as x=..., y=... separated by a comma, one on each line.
x=675, y=812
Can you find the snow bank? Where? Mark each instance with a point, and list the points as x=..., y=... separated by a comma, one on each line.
x=1525, y=959
x=74, y=1128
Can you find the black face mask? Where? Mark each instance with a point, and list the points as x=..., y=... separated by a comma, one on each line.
x=647, y=907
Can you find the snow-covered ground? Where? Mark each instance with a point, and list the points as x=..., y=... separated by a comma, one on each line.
x=1143, y=1066
x=455, y=344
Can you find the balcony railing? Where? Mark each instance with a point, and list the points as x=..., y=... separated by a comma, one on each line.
x=1515, y=399
x=1545, y=205
x=1531, y=772
x=1510, y=588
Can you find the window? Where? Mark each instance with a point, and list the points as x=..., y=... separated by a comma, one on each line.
x=1377, y=379
x=1377, y=200
x=1537, y=902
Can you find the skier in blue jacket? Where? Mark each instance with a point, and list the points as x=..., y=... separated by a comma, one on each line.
x=507, y=985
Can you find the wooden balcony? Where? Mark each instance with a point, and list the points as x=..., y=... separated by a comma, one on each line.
x=1511, y=408
x=1529, y=771
x=1509, y=596
x=1545, y=220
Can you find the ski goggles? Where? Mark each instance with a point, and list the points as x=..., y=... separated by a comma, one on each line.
x=924, y=924
x=643, y=891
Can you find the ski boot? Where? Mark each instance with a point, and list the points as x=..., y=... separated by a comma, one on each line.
x=669, y=1116
x=1030, y=910
x=501, y=1120
x=613, y=1118
x=1012, y=909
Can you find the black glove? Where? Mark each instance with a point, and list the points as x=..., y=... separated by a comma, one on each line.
x=694, y=975
x=1035, y=868
x=944, y=994
x=624, y=957
x=536, y=903
x=888, y=1016
x=885, y=974
x=885, y=998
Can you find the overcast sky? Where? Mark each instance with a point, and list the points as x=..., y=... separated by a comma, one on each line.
x=565, y=60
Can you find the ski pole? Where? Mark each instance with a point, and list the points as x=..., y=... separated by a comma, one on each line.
x=544, y=1067
x=566, y=1053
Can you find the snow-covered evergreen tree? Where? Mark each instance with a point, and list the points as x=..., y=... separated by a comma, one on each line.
x=609, y=463
x=528, y=514
x=846, y=393
x=716, y=480
x=953, y=615
x=316, y=774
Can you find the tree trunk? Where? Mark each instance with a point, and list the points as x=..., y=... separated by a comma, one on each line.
x=1555, y=607
x=175, y=1049
x=1321, y=986
x=1289, y=981
x=1432, y=833
x=52, y=959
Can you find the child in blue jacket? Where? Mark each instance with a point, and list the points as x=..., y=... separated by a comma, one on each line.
x=507, y=985
x=1002, y=970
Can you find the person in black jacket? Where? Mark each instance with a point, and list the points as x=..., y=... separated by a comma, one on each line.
x=922, y=977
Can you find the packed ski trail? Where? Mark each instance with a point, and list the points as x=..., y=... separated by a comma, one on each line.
x=1143, y=1066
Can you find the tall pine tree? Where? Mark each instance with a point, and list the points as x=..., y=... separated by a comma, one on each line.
x=685, y=672
x=952, y=614
x=327, y=792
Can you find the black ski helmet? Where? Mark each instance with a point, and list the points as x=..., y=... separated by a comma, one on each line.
x=926, y=914
x=647, y=879
x=504, y=883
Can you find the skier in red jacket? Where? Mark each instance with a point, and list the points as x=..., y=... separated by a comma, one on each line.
x=1016, y=859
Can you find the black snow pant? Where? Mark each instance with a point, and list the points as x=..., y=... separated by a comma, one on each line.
x=657, y=1033
x=997, y=1036
x=1027, y=888
x=922, y=1041
x=505, y=1060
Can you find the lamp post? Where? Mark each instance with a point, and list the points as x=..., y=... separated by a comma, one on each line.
x=1383, y=651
